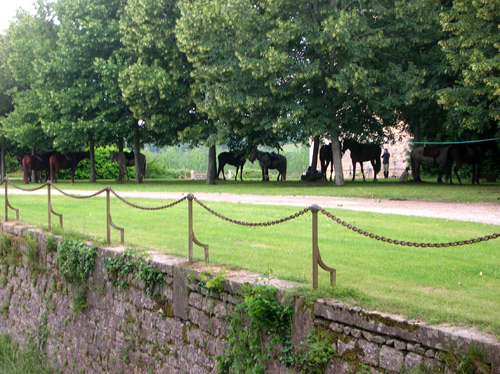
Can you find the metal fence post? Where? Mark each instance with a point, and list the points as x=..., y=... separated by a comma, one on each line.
x=317, y=261
x=191, y=237
x=108, y=216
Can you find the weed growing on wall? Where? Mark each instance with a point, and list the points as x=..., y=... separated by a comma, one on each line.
x=132, y=264
x=76, y=262
x=10, y=253
x=258, y=325
x=212, y=282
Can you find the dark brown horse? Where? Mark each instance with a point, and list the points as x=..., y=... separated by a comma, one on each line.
x=69, y=160
x=468, y=153
x=35, y=163
x=231, y=158
x=361, y=153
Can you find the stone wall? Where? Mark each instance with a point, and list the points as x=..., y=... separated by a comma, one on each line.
x=184, y=329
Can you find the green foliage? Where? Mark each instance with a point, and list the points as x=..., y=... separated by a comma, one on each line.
x=51, y=244
x=212, y=282
x=9, y=250
x=466, y=363
x=33, y=254
x=258, y=324
x=132, y=263
x=14, y=360
x=105, y=169
x=76, y=262
x=314, y=354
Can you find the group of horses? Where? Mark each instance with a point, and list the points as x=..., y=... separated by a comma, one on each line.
x=266, y=161
x=445, y=156
x=51, y=162
x=472, y=153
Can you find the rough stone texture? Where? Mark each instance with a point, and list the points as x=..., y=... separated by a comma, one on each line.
x=185, y=328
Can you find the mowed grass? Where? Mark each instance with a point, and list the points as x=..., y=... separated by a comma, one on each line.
x=454, y=285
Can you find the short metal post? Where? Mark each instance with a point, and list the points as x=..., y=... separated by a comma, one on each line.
x=317, y=261
x=109, y=221
x=49, y=208
x=315, y=249
x=108, y=215
x=192, y=238
x=190, y=226
x=6, y=202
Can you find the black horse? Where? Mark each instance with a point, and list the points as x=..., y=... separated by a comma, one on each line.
x=232, y=159
x=270, y=161
x=326, y=159
x=468, y=153
x=361, y=153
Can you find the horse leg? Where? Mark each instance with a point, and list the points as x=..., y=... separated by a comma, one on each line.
x=375, y=174
x=241, y=173
x=221, y=168
x=456, y=169
x=331, y=169
x=354, y=170
x=362, y=171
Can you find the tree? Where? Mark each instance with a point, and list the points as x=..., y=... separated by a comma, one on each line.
x=72, y=86
x=473, y=52
x=156, y=84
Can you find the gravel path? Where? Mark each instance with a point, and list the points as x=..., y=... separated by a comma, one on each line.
x=485, y=212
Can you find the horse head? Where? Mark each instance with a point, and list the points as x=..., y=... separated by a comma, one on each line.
x=253, y=156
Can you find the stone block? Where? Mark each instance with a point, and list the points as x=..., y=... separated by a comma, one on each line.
x=391, y=359
x=412, y=360
x=181, y=294
x=369, y=352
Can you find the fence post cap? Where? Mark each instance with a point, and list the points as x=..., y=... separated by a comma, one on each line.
x=190, y=196
x=314, y=208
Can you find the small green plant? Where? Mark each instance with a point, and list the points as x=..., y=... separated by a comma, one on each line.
x=51, y=244
x=33, y=255
x=258, y=325
x=76, y=262
x=9, y=250
x=314, y=354
x=14, y=360
x=466, y=363
x=213, y=282
x=132, y=263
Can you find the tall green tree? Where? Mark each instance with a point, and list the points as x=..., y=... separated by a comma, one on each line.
x=473, y=52
x=73, y=90
x=29, y=41
x=156, y=83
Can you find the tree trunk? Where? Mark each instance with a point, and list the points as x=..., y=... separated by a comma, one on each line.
x=137, y=151
x=2, y=161
x=337, y=160
x=93, y=177
x=212, y=165
x=120, y=149
x=314, y=161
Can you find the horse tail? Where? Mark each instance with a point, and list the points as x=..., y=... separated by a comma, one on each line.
x=284, y=169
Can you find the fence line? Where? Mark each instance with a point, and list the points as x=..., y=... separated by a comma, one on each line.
x=314, y=209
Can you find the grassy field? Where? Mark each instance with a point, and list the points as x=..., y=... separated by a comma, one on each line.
x=455, y=285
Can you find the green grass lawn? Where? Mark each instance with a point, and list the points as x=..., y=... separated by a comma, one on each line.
x=456, y=285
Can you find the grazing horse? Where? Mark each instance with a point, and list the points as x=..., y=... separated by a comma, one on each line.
x=125, y=159
x=361, y=153
x=430, y=155
x=69, y=160
x=231, y=159
x=35, y=163
x=270, y=161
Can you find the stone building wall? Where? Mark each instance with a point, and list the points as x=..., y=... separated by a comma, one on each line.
x=184, y=329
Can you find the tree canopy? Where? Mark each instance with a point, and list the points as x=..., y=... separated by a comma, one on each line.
x=84, y=73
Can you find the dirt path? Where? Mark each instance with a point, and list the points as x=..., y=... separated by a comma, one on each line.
x=475, y=212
